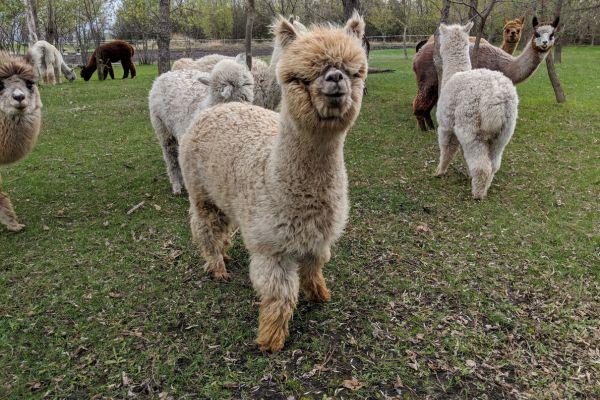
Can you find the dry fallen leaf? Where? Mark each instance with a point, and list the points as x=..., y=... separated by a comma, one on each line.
x=471, y=363
x=352, y=384
x=398, y=384
x=422, y=228
x=114, y=295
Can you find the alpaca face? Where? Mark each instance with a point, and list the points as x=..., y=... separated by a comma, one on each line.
x=512, y=30
x=544, y=34
x=231, y=81
x=322, y=73
x=70, y=75
x=86, y=73
x=18, y=93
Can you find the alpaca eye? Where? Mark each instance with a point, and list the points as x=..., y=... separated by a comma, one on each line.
x=1, y=86
x=552, y=36
x=29, y=85
x=518, y=31
x=537, y=35
x=507, y=31
x=357, y=75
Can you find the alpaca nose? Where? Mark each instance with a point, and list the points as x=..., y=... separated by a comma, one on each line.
x=544, y=41
x=18, y=96
x=335, y=75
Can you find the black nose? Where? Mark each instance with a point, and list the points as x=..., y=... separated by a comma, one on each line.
x=545, y=42
x=19, y=97
x=335, y=75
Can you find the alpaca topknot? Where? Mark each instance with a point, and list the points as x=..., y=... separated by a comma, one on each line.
x=10, y=65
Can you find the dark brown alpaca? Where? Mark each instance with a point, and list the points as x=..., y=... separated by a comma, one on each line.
x=517, y=69
x=117, y=50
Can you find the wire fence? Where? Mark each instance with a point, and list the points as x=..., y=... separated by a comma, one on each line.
x=146, y=51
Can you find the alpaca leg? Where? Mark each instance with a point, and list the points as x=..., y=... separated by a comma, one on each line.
x=477, y=156
x=210, y=227
x=125, y=65
x=497, y=148
x=275, y=278
x=429, y=121
x=111, y=71
x=423, y=104
x=132, y=69
x=448, y=147
x=312, y=281
x=7, y=214
x=170, y=151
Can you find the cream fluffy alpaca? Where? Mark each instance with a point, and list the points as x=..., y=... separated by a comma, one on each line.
x=267, y=93
x=280, y=177
x=177, y=96
x=477, y=109
x=20, y=119
x=48, y=63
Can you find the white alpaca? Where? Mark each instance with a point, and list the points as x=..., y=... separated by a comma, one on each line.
x=280, y=177
x=48, y=63
x=177, y=96
x=477, y=109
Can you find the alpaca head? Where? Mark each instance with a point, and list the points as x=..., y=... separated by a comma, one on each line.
x=87, y=72
x=321, y=73
x=454, y=39
x=544, y=34
x=19, y=94
x=70, y=75
x=230, y=81
x=513, y=29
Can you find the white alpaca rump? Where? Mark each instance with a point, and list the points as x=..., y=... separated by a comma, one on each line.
x=477, y=109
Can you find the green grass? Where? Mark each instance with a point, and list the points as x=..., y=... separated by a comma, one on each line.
x=497, y=299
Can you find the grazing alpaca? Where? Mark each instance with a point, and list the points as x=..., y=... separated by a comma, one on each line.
x=477, y=109
x=512, y=34
x=517, y=69
x=280, y=177
x=117, y=50
x=48, y=63
x=20, y=119
x=177, y=96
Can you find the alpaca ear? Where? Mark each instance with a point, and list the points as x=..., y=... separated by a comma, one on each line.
x=467, y=27
x=443, y=29
x=284, y=32
x=241, y=59
x=356, y=25
x=556, y=22
x=205, y=80
x=535, y=22
x=521, y=20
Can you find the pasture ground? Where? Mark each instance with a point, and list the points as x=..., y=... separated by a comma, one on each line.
x=434, y=295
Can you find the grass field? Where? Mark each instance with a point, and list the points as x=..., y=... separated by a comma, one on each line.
x=434, y=295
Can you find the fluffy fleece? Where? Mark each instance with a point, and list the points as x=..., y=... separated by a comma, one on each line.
x=48, y=63
x=20, y=119
x=477, y=109
x=117, y=50
x=517, y=69
x=267, y=93
x=177, y=96
x=280, y=177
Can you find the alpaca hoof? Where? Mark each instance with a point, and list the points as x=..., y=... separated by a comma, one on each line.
x=439, y=173
x=218, y=270
x=271, y=344
x=319, y=294
x=15, y=227
x=178, y=191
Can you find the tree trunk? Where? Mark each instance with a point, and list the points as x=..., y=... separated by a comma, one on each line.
x=404, y=42
x=484, y=16
x=249, y=22
x=349, y=7
x=558, y=92
x=99, y=61
x=51, y=25
x=163, y=39
x=437, y=59
x=30, y=19
x=558, y=42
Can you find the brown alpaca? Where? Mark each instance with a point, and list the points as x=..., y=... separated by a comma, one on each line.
x=512, y=34
x=20, y=119
x=517, y=69
x=117, y=50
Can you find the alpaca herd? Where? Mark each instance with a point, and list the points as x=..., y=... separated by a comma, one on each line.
x=279, y=177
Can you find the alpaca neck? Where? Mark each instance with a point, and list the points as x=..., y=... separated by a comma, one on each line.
x=18, y=135
x=305, y=162
x=509, y=47
x=454, y=62
x=517, y=69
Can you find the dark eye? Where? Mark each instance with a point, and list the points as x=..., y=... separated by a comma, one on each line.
x=552, y=36
x=508, y=31
x=1, y=86
x=29, y=85
x=537, y=34
x=518, y=30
